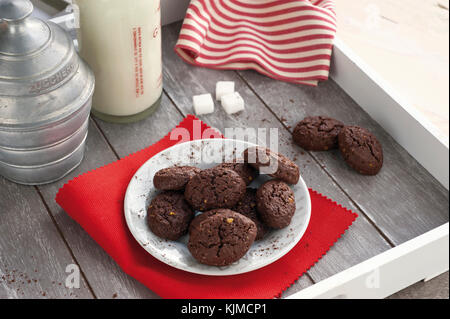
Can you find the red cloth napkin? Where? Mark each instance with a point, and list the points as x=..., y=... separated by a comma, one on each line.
x=95, y=201
x=289, y=40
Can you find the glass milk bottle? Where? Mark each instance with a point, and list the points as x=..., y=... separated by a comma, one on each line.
x=121, y=41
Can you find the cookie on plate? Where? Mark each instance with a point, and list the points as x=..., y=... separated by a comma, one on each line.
x=174, y=178
x=276, y=204
x=169, y=215
x=273, y=164
x=318, y=133
x=220, y=237
x=215, y=188
x=361, y=150
x=247, y=207
x=248, y=173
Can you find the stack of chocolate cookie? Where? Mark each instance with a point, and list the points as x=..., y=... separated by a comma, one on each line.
x=360, y=148
x=232, y=215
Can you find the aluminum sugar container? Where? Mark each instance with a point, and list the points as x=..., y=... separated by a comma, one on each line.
x=45, y=98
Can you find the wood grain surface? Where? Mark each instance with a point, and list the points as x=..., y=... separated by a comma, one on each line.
x=182, y=81
x=38, y=240
x=411, y=201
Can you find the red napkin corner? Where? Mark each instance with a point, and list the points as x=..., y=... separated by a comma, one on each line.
x=95, y=201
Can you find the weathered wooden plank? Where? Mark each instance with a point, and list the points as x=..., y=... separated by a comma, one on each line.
x=404, y=200
x=436, y=288
x=182, y=81
x=104, y=276
x=33, y=255
x=34, y=266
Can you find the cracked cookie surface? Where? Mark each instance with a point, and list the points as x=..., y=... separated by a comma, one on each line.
x=248, y=173
x=169, y=215
x=318, y=133
x=273, y=164
x=361, y=150
x=220, y=237
x=276, y=204
x=215, y=188
x=174, y=178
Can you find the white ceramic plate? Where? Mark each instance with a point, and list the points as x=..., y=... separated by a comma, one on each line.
x=206, y=154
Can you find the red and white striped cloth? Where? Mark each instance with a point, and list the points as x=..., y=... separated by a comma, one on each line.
x=289, y=40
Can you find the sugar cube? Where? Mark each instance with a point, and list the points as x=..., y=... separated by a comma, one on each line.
x=233, y=103
x=203, y=104
x=224, y=88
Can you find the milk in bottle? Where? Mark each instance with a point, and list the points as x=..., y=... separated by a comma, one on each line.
x=121, y=41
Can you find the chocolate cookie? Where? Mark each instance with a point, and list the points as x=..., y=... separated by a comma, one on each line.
x=276, y=204
x=174, y=178
x=247, y=207
x=169, y=215
x=273, y=164
x=220, y=237
x=244, y=170
x=361, y=150
x=318, y=133
x=215, y=188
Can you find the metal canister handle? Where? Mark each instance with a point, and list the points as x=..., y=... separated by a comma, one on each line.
x=15, y=10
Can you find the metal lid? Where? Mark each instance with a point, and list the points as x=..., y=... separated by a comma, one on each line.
x=15, y=10
x=42, y=78
x=19, y=35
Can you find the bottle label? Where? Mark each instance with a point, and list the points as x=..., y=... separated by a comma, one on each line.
x=138, y=61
